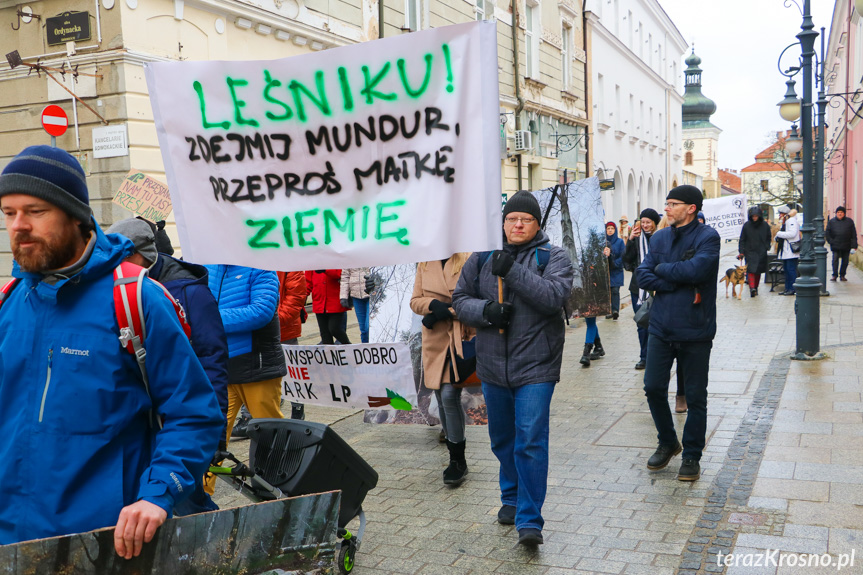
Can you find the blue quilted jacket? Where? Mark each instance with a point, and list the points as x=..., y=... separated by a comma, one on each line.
x=248, y=299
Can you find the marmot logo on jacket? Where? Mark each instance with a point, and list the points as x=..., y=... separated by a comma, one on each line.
x=70, y=351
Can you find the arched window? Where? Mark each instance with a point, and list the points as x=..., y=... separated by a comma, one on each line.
x=687, y=161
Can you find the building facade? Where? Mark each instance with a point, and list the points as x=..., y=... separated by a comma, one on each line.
x=635, y=53
x=542, y=73
x=769, y=182
x=843, y=72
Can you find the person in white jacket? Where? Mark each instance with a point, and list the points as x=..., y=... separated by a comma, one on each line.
x=787, y=241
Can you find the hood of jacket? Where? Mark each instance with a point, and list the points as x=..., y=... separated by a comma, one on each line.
x=168, y=269
x=755, y=211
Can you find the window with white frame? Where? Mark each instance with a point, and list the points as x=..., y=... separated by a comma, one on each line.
x=484, y=9
x=412, y=15
x=531, y=40
x=566, y=56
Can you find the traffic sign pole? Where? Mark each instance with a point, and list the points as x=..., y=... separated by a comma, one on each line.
x=53, y=141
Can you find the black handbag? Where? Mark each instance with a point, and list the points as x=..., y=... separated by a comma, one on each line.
x=642, y=316
x=466, y=363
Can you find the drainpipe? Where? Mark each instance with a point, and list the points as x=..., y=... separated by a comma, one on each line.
x=380, y=19
x=520, y=107
x=588, y=97
x=845, y=114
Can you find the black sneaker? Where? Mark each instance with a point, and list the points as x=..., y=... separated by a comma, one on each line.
x=690, y=470
x=641, y=364
x=529, y=536
x=663, y=455
x=615, y=315
x=241, y=427
x=753, y=292
x=298, y=411
x=506, y=515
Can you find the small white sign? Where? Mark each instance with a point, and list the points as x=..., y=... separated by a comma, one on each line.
x=110, y=141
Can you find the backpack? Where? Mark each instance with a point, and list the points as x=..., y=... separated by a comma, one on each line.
x=129, y=311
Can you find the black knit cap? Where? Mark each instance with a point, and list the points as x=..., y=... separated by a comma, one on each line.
x=840, y=209
x=688, y=195
x=650, y=213
x=523, y=202
x=50, y=174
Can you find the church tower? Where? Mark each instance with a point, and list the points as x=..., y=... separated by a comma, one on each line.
x=700, y=136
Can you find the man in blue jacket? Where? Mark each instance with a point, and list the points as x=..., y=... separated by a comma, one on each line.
x=187, y=282
x=681, y=269
x=75, y=425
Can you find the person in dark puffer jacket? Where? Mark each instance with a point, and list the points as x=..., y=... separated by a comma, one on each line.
x=681, y=269
x=248, y=300
x=841, y=234
x=519, y=367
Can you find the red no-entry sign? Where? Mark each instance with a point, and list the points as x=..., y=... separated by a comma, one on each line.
x=54, y=120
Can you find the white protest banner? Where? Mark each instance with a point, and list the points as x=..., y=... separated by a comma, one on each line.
x=357, y=376
x=144, y=196
x=378, y=153
x=726, y=215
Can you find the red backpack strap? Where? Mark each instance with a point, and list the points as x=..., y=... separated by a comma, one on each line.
x=7, y=289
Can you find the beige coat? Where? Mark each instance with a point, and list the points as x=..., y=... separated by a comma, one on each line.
x=353, y=283
x=443, y=341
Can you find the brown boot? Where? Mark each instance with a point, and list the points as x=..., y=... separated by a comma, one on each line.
x=680, y=404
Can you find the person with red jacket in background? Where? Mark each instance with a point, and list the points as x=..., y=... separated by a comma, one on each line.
x=324, y=287
x=292, y=315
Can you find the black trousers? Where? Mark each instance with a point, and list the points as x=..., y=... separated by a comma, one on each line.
x=331, y=326
x=840, y=262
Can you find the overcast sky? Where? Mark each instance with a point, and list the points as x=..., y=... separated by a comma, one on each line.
x=739, y=42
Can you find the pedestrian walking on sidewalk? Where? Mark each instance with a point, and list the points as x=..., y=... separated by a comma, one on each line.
x=788, y=247
x=841, y=234
x=443, y=336
x=637, y=249
x=614, y=248
x=519, y=352
x=592, y=344
x=754, y=243
x=681, y=269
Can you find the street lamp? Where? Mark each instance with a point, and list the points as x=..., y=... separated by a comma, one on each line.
x=789, y=106
x=793, y=143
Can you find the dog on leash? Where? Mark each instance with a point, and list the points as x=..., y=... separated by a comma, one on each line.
x=734, y=277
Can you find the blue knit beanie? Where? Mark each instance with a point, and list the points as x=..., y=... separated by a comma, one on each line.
x=50, y=174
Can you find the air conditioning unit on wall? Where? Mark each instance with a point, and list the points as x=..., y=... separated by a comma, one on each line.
x=523, y=140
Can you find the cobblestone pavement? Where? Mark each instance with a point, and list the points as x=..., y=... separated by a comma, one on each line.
x=782, y=469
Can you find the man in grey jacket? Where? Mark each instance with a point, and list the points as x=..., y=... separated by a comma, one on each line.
x=519, y=348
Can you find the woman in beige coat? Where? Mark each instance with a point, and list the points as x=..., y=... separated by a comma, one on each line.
x=442, y=341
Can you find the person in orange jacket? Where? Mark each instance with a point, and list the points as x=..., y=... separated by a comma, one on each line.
x=292, y=316
x=324, y=287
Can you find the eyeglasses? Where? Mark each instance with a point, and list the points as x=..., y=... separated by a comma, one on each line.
x=522, y=220
x=675, y=204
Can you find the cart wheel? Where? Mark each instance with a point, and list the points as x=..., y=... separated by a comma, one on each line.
x=346, y=557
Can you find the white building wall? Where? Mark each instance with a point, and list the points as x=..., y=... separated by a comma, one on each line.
x=636, y=54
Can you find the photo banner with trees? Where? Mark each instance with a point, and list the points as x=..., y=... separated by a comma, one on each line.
x=377, y=153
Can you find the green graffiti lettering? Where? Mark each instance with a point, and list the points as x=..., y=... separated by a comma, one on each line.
x=200, y=91
x=266, y=226
x=330, y=221
x=286, y=230
x=369, y=91
x=303, y=230
x=346, y=90
x=403, y=74
x=321, y=102
x=238, y=104
x=273, y=83
x=400, y=234
x=449, y=86
x=365, y=233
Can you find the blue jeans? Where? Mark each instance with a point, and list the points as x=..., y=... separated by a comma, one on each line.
x=693, y=361
x=642, y=331
x=518, y=429
x=361, y=308
x=790, y=268
x=592, y=330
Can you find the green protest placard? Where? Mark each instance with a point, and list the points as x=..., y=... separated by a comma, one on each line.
x=144, y=196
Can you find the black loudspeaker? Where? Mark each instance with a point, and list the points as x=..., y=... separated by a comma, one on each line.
x=302, y=457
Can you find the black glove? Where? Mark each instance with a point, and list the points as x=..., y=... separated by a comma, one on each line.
x=440, y=309
x=497, y=314
x=320, y=271
x=346, y=303
x=429, y=320
x=501, y=262
x=370, y=284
